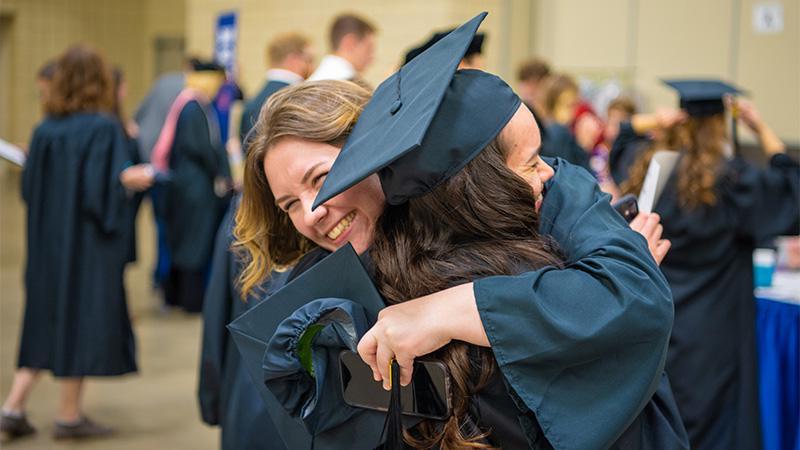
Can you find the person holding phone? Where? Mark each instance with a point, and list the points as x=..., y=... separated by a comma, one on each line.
x=716, y=208
x=279, y=174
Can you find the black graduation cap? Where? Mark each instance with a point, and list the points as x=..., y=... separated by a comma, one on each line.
x=475, y=47
x=340, y=275
x=199, y=65
x=702, y=97
x=424, y=123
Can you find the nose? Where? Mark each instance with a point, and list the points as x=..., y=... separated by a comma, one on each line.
x=545, y=171
x=312, y=218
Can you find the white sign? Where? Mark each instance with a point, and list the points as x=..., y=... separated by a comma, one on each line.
x=767, y=18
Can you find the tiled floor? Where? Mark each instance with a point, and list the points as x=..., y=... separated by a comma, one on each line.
x=154, y=409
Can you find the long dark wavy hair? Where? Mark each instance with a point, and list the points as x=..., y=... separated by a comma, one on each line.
x=701, y=140
x=480, y=222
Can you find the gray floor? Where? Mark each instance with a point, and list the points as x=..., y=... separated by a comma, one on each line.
x=154, y=409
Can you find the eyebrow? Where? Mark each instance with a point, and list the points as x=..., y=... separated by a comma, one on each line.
x=304, y=180
x=536, y=154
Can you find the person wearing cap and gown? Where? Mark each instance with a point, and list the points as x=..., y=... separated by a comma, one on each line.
x=622, y=277
x=714, y=228
x=473, y=58
x=189, y=150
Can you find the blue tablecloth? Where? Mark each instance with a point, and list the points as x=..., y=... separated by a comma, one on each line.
x=778, y=339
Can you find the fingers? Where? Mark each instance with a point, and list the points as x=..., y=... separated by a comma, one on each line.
x=367, y=349
x=383, y=361
x=638, y=221
x=406, y=369
x=661, y=250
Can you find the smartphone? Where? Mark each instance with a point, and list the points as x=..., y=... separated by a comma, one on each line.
x=427, y=396
x=627, y=206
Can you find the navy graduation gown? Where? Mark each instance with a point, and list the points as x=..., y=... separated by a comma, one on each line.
x=76, y=317
x=712, y=359
x=253, y=107
x=226, y=394
x=193, y=211
x=584, y=347
x=624, y=151
x=558, y=142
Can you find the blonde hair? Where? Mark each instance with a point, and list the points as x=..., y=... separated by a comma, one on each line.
x=701, y=140
x=284, y=45
x=318, y=111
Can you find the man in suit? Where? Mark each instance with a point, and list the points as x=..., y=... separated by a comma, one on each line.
x=291, y=60
x=352, y=40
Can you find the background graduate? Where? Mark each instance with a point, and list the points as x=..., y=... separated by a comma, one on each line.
x=226, y=393
x=336, y=222
x=715, y=208
x=196, y=196
x=76, y=319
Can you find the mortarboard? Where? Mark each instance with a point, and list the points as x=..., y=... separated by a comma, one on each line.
x=199, y=65
x=339, y=276
x=475, y=46
x=424, y=123
x=702, y=97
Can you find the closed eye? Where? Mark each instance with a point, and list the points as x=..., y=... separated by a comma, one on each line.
x=318, y=178
x=288, y=205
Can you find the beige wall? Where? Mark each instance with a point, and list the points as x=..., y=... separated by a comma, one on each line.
x=641, y=41
x=41, y=29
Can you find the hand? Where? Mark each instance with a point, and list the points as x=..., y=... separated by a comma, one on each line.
x=669, y=117
x=649, y=226
x=137, y=178
x=747, y=112
x=417, y=327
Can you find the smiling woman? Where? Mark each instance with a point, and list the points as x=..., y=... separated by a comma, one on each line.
x=298, y=136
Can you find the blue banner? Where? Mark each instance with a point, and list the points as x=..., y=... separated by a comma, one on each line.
x=225, y=36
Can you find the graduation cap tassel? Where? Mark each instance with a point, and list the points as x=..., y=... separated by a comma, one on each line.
x=393, y=427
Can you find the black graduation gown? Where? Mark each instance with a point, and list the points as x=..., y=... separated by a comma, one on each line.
x=558, y=142
x=712, y=356
x=226, y=393
x=76, y=318
x=253, y=106
x=193, y=211
x=624, y=151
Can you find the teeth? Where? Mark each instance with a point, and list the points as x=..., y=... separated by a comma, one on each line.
x=341, y=226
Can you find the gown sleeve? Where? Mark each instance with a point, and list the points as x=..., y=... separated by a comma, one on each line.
x=766, y=202
x=104, y=198
x=584, y=347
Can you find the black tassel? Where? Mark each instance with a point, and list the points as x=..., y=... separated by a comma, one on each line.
x=393, y=427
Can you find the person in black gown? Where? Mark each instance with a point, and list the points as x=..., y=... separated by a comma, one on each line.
x=76, y=320
x=715, y=208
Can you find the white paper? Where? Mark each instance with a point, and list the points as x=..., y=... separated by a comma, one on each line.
x=659, y=171
x=768, y=18
x=12, y=153
x=648, y=194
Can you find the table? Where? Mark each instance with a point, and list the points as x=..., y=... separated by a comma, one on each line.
x=778, y=340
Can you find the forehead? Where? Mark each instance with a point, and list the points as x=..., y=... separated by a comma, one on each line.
x=521, y=137
x=290, y=158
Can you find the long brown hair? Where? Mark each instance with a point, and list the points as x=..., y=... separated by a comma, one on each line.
x=701, y=140
x=81, y=83
x=480, y=222
x=319, y=111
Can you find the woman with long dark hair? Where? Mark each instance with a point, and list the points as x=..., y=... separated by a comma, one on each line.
x=76, y=317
